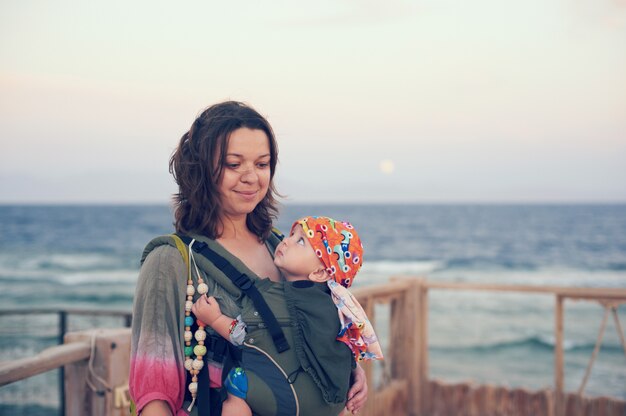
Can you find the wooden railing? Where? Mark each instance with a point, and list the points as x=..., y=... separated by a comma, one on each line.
x=96, y=362
x=56, y=357
x=609, y=297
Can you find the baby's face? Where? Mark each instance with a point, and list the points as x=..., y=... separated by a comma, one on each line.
x=295, y=256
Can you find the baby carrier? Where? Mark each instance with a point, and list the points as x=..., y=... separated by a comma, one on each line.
x=279, y=353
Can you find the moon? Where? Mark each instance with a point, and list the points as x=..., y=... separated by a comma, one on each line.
x=386, y=166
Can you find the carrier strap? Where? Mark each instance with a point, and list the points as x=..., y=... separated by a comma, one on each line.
x=247, y=286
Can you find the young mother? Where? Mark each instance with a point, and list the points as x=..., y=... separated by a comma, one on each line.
x=224, y=166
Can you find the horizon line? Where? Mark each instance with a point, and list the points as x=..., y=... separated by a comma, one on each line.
x=317, y=202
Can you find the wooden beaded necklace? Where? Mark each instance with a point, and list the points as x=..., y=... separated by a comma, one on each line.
x=194, y=365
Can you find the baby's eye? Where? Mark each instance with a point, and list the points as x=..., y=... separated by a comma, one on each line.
x=301, y=241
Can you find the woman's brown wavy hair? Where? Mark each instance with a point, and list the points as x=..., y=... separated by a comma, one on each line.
x=197, y=166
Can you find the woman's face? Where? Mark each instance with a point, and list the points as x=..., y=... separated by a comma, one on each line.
x=246, y=172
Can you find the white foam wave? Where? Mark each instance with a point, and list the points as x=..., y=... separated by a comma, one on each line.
x=558, y=276
x=70, y=278
x=436, y=270
x=58, y=261
x=387, y=267
x=80, y=261
x=569, y=345
x=66, y=268
x=113, y=276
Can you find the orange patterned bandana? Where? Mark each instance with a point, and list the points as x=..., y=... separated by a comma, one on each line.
x=339, y=248
x=336, y=244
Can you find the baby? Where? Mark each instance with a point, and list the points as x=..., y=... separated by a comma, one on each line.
x=318, y=249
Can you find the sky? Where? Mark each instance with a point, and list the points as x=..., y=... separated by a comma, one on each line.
x=433, y=101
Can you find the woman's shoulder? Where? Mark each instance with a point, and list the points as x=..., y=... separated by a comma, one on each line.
x=166, y=241
x=162, y=253
x=163, y=272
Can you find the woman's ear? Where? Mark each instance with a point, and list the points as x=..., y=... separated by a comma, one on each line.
x=319, y=275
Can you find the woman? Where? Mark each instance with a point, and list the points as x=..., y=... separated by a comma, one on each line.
x=224, y=166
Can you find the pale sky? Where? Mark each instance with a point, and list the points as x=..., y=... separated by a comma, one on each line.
x=425, y=101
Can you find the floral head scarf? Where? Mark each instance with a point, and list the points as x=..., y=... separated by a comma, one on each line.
x=339, y=248
x=337, y=245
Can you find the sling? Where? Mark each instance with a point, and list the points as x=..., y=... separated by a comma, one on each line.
x=246, y=285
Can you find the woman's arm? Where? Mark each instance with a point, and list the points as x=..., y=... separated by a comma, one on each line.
x=157, y=374
x=156, y=408
x=357, y=395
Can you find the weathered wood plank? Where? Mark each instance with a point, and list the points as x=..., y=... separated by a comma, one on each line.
x=558, y=357
x=381, y=291
x=392, y=399
x=594, y=293
x=467, y=399
x=397, y=328
x=368, y=306
x=49, y=359
x=422, y=291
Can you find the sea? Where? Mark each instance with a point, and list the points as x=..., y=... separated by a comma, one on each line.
x=83, y=256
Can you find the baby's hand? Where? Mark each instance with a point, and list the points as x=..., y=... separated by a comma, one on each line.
x=206, y=309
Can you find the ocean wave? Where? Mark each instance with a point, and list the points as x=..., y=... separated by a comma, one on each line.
x=389, y=267
x=71, y=262
x=93, y=277
x=64, y=262
x=100, y=277
x=562, y=276
x=617, y=266
x=94, y=299
x=497, y=262
x=371, y=273
x=534, y=341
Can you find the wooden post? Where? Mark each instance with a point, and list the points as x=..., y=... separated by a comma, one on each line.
x=558, y=358
x=406, y=344
x=62, y=331
x=397, y=342
x=423, y=339
x=370, y=405
x=109, y=374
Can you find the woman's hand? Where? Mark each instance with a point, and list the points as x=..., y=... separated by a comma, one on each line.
x=357, y=395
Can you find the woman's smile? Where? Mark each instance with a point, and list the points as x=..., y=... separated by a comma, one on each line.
x=247, y=195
